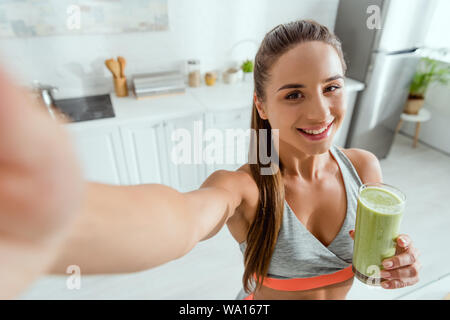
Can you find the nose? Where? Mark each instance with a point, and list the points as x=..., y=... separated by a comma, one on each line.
x=319, y=109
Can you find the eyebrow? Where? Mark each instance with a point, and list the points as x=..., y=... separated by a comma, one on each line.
x=298, y=85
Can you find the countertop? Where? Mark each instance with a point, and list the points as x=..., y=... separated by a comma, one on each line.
x=220, y=97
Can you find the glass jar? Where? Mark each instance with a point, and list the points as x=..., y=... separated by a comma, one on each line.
x=193, y=69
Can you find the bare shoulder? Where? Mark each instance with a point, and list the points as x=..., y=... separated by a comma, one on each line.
x=366, y=164
x=243, y=188
x=251, y=188
x=244, y=215
x=240, y=222
x=240, y=183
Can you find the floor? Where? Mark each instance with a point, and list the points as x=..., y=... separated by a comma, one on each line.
x=213, y=269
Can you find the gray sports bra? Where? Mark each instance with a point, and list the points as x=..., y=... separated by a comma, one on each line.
x=298, y=253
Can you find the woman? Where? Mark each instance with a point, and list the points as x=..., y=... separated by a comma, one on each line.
x=293, y=226
x=300, y=240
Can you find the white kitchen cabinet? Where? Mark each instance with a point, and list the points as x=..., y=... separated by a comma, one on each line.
x=184, y=144
x=148, y=148
x=145, y=154
x=231, y=124
x=140, y=152
x=100, y=153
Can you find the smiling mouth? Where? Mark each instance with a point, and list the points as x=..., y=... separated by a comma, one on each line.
x=317, y=131
x=316, y=135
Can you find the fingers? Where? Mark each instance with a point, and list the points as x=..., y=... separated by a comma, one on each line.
x=39, y=172
x=14, y=101
x=411, y=271
x=408, y=257
x=403, y=269
x=396, y=284
x=23, y=126
x=402, y=277
x=403, y=242
x=352, y=234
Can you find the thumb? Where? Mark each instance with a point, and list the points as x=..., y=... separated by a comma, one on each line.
x=23, y=125
x=352, y=234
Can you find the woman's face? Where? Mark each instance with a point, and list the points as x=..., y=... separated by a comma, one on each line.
x=306, y=91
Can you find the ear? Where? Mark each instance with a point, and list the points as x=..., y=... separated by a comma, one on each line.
x=259, y=107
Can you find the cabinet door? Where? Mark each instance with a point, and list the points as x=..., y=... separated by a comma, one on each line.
x=184, y=144
x=234, y=127
x=145, y=153
x=101, y=154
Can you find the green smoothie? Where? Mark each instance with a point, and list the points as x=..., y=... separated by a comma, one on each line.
x=378, y=217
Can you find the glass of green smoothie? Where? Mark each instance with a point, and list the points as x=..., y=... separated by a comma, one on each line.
x=378, y=216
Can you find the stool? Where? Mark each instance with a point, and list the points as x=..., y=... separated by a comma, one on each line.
x=422, y=116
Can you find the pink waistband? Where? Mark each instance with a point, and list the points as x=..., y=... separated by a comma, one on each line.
x=298, y=284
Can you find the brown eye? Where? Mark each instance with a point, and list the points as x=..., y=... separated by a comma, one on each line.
x=332, y=88
x=294, y=96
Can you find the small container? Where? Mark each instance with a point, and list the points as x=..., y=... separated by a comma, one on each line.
x=210, y=78
x=193, y=69
x=231, y=75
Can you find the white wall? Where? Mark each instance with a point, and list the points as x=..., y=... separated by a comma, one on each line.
x=436, y=131
x=437, y=35
x=202, y=29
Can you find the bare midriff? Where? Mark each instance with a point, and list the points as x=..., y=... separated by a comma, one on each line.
x=337, y=291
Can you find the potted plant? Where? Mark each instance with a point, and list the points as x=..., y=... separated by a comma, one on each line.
x=247, y=68
x=428, y=71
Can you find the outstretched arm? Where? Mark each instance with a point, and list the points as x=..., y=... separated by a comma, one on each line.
x=133, y=228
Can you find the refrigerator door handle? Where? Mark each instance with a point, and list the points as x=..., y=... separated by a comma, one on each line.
x=412, y=50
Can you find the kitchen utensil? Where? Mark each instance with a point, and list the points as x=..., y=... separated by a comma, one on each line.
x=120, y=86
x=114, y=67
x=122, y=63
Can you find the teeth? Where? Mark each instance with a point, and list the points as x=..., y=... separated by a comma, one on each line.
x=315, y=131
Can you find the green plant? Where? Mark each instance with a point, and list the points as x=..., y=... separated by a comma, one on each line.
x=247, y=66
x=428, y=71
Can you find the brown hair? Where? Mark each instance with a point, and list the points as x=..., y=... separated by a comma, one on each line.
x=263, y=232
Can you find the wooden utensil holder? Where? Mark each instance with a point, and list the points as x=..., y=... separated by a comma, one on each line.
x=120, y=86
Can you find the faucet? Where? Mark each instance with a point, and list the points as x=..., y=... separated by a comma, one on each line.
x=46, y=93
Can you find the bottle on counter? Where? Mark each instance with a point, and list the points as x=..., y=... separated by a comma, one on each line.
x=193, y=69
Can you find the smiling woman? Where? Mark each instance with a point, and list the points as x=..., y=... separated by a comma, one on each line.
x=297, y=244
x=306, y=57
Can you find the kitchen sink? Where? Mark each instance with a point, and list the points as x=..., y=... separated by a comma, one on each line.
x=86, y=108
